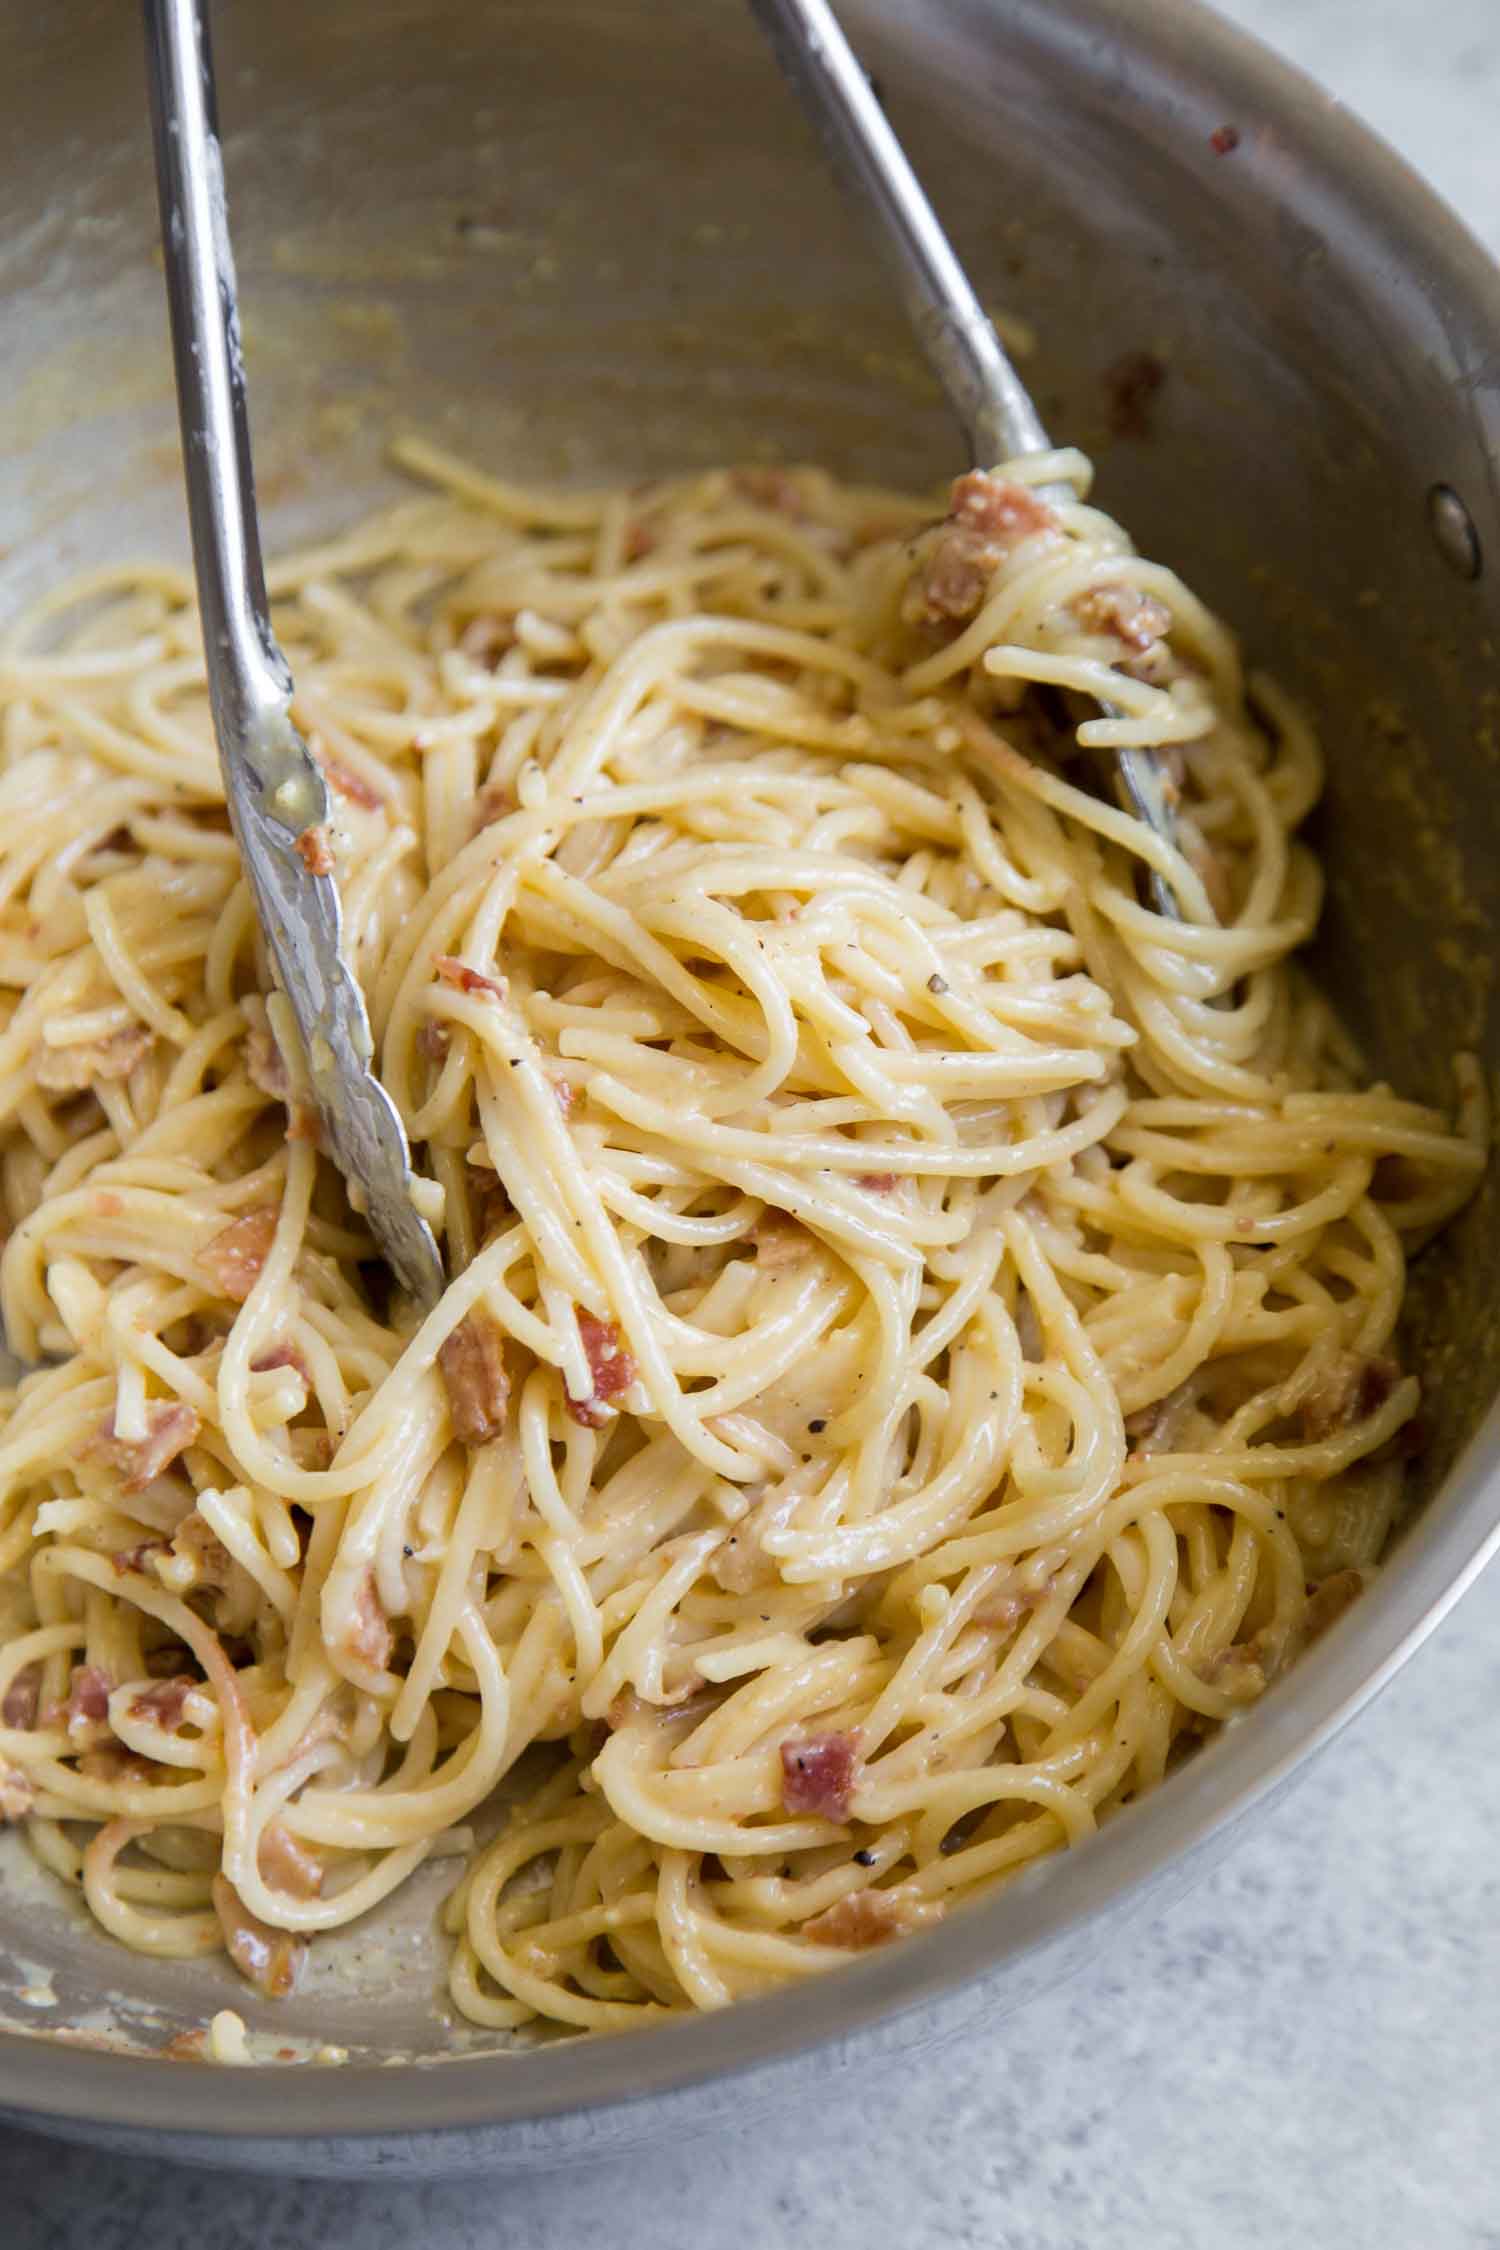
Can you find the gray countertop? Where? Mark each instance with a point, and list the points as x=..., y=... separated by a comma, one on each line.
x=1305, y=2051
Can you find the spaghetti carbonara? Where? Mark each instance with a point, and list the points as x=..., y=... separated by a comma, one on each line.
x=919, y=1348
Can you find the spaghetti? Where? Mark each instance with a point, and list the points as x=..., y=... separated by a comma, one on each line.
x=919, y=1349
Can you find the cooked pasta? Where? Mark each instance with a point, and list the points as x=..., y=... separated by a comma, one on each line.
x=919, y=1348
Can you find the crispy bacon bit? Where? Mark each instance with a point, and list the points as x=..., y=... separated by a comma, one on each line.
x=162, y=1702
x=1137, y=619
x=988, y=518
x=877, y=1183
x=127, y=1559
x=779, y=1241
x=866, y=1918
x=287, y=1865
x=269, y=1959
x=352, y=786
x=471, y=1360
x=1224, y=139
x=138, y=1462
x=17, y=1794
x=21, y=1699
x=486, y=639
x=491, y=1205
x=1014, y=1599
x=281, y=1355
x=769, y=488
x=818, y=1773
x=1154, y=1428
x=314, y=850
x=1329, y=1599
x=85, y=1708
x=112, y=1762
x=68, y=1070
x=1131, y=385
x=610, y=1365
x=370, y=1641
x=492, y=803
x=433, y=1041
x=266, y=1064
x=198, y=1557
x=233, y=1257
x=465, y=979
x=1237, y=1671
x=187, y=2046
x=1349, y=1389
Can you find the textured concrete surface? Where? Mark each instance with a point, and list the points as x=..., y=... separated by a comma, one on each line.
x=1306, y=2051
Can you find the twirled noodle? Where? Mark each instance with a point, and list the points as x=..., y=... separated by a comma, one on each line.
x=918, y=1349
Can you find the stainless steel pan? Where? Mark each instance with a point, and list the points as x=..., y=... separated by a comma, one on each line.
x=582, y=236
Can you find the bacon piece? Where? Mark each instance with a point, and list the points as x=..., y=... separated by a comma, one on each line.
x=108, y=1205
x=21, y=1699
x=112, y=1762
x=352, y=786
x=1155, y=1428
x=1224, y=139
x=818, y=1774
x=876, y=1183
x=775, y=489
x=1131, y=386
x=1137, y=619
x=266, y=1064
x=163, y=1701
x=640, y=539
x=562, y=1093
x=198, y=1557
x=369, y=1642
x=68, y=1070
x=486, y=638
x=869, y=1917
x=1349, y=1389
x=492, y=803
x=17, y=1794
x=138, y=1462
x=610, y=1365
x=85, y=1708
x=287, y=1865
x=1329, y=1599
x=187, y=2046
x=779, y=1241
x=433, y=1041
x=465, y=979
x=233, y=1257
x=281, y=1355
x=492, y=1206
x=314, y=850
x=269, y=1959
x=988, y=518
x=127, y=1559
x=471, y=1359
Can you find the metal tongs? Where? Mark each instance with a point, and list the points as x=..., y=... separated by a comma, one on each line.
x=275, y=792
x=993, y=407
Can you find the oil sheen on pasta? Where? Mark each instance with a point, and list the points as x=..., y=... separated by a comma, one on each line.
x=920, y=1348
